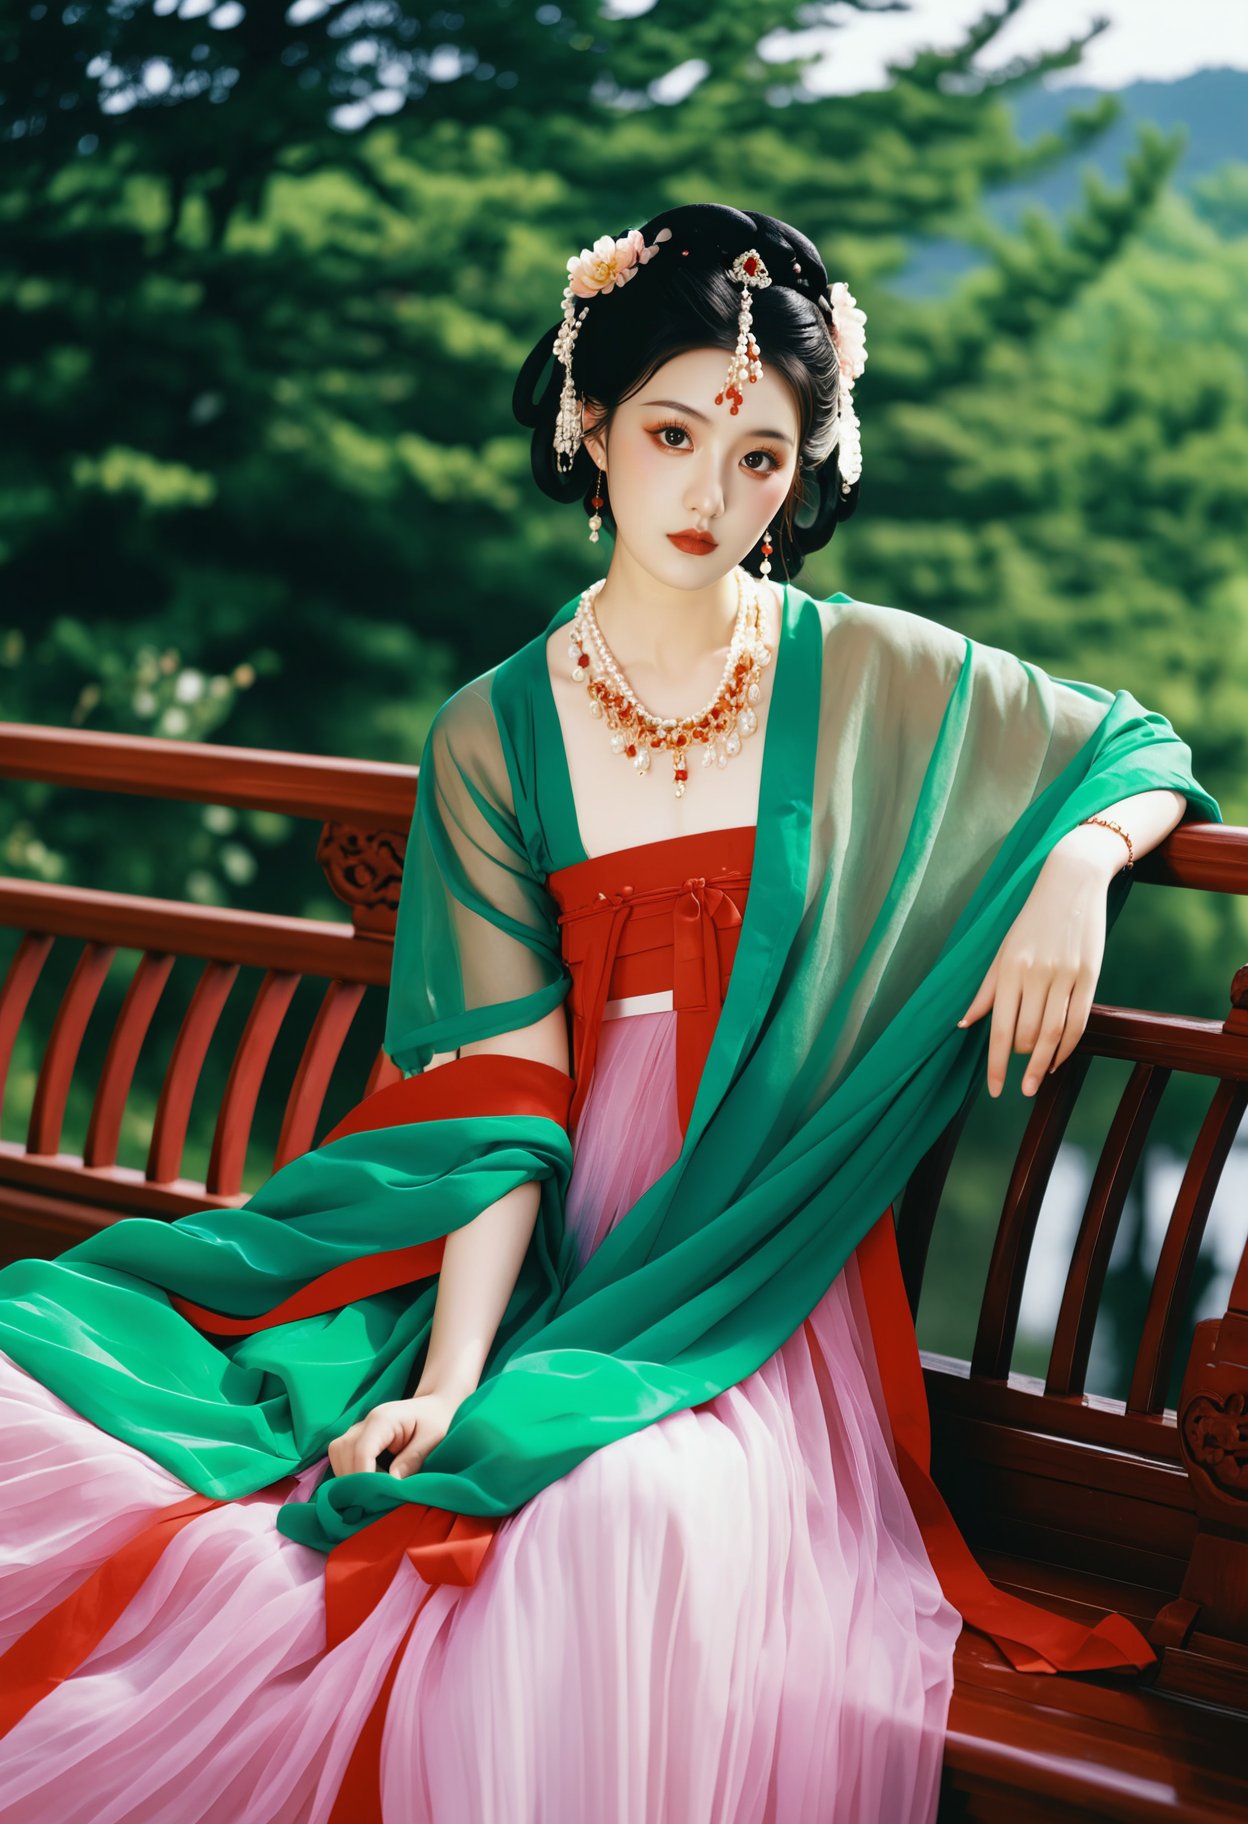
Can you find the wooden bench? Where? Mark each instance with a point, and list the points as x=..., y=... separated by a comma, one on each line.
x=1080, y=1501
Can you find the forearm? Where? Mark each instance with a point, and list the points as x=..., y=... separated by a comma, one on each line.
x=480, y=1266
x=481, y=1262
x=1147, y=817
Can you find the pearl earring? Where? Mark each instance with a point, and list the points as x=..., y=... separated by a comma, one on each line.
x=764, y=568
x=596, y=500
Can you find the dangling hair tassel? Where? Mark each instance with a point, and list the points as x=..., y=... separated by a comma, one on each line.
x=749, y=271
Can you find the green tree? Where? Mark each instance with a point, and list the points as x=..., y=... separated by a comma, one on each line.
x=257, y=410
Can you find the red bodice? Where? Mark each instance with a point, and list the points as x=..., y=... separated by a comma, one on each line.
x=659, y=915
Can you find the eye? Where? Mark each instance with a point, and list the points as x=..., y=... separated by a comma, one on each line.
x=661, y=431
x=772, y=456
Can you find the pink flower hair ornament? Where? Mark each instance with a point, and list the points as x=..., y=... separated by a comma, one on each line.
x=591, y=273
x=611, y=262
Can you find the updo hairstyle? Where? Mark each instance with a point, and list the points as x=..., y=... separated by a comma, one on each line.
x=683, y=299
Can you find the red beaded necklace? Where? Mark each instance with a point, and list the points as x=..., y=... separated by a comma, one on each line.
x=636, y=732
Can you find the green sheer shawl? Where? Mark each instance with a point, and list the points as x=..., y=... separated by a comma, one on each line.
x=913, y=782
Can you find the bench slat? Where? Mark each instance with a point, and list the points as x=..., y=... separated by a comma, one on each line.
x=339, y=1005
x=47, y=1114
x=19, y=984
x=1116, y=1167
x=143, y=994
x=232, y=1133
x=177, y=1091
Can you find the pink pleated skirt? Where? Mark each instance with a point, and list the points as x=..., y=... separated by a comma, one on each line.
x=728, y=1617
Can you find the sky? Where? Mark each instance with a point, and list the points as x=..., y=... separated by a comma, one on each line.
x=1146, y=39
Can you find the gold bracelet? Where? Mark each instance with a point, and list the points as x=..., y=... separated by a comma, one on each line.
x=1111, y=825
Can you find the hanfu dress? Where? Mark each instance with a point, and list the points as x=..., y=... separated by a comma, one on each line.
x=743, y=1610
x=728, y=1617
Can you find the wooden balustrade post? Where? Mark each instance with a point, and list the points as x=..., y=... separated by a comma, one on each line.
x=1202, y=1635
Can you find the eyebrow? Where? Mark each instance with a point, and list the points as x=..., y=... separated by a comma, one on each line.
x=780, y=436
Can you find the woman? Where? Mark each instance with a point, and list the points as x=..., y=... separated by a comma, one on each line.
x=581, y=1351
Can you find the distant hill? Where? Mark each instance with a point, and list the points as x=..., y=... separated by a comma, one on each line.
x=1211, y=105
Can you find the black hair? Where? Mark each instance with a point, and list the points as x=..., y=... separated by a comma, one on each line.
x=682, y=299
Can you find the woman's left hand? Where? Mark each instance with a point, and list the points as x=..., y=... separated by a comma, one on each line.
x=1043, y=978
x=409, y=1429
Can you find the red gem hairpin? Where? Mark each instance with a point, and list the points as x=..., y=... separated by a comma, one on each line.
x=750, y=273
x=611, y=262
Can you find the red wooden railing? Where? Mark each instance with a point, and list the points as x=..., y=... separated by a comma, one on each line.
x=363, y=810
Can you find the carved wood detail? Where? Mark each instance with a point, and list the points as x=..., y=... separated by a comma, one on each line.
x=364, y=868
x=1215, y=1439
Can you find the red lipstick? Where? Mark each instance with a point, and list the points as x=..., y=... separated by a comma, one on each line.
x=697, y=544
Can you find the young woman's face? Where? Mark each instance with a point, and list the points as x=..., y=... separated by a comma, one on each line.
x=676, y=462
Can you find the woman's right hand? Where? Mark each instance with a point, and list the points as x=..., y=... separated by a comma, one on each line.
x=407, y=1428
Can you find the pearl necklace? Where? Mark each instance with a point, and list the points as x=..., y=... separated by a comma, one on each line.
x=636, y=731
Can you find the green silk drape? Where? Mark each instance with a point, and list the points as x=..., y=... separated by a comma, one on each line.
x=913, y=782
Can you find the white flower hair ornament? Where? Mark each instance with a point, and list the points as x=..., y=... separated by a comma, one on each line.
x=610, y=263
x=850, y=341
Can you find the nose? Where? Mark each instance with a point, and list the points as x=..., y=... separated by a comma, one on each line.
x=704, y=497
